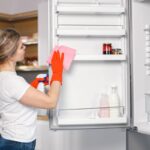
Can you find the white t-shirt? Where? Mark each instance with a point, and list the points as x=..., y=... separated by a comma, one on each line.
x=18, y=120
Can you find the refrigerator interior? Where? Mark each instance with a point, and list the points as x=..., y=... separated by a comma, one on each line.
x=86, y=25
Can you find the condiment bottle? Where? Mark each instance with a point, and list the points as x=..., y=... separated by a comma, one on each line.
x=114, y=102
x=104, y=111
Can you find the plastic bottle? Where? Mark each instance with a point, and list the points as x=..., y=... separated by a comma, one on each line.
x=114, y=102
x=41, y=87
x=104, y=111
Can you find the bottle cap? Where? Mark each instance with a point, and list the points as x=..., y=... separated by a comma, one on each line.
x=114, y=86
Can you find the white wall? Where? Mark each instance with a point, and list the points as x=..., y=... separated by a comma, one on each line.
x=5, y=6
x=25, y=5
x=17, y=6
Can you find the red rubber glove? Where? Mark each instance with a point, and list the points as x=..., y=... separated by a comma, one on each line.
x=46, y=80
x=57, y=67
x=36, y=81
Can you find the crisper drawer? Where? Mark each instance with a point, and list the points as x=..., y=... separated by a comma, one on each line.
x=81, y=102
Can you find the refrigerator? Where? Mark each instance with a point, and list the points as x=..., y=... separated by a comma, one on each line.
x=87, y=25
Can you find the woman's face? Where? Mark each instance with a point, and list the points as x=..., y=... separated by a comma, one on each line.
x=20, y=52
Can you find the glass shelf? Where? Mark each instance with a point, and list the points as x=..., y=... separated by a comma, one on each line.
x=30, y=42
x=31, y=68
x=100, y=58
x=88, y=9
x=91, y=33
x=90, y=116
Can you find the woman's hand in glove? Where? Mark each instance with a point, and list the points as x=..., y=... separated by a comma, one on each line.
x=57, y=67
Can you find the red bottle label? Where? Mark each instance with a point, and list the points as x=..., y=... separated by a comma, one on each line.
x=104, y=48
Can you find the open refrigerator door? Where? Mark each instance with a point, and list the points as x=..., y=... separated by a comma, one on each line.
x=140, y=67
x=142, y=93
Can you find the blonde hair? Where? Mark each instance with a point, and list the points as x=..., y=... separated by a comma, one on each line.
x=8, y=44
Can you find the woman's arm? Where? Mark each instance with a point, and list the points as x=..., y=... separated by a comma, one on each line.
x=35, y=98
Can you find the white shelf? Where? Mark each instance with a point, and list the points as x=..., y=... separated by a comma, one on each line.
x=93, y=33
x=32, y=68
x=30, y=42
x=120, y=120
x=88, y=9
x=100, y=57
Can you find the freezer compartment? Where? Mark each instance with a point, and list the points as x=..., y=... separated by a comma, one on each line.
x=80, y=101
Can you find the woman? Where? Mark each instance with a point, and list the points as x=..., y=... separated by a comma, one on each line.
x=19, y=100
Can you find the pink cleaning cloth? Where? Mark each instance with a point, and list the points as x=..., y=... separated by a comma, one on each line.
x=69, y=54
